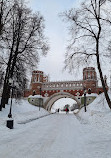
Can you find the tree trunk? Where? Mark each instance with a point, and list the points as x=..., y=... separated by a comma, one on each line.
x=1, y=16
x=6, y=89
x=4, y=94
x=103, y=83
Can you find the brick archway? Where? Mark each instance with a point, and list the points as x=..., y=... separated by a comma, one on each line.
x=53, y=98
x=42, y=86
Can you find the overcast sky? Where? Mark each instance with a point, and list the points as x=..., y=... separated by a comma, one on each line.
x=57, y=32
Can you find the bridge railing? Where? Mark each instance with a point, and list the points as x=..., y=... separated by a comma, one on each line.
x=62, y=85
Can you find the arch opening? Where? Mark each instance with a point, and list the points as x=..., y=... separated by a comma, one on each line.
x=52, y=99
x=60, y=105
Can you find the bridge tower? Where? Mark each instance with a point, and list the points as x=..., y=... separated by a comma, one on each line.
x=90, y=79
x=36, y=82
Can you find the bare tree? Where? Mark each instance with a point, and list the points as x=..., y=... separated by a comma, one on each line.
x=5, y=9
x=90, y=34
x=20, y=78
x=24, y=42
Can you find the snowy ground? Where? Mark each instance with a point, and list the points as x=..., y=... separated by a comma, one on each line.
x=84, y=135
x=21, y=111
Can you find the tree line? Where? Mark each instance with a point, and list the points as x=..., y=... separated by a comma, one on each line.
x=22, y=42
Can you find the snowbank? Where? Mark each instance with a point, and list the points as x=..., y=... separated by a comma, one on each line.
x=91, y=95
x=35, y=96
x=22, y=111
x=98, y=113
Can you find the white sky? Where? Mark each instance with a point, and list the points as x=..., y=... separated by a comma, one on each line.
x=57, y=32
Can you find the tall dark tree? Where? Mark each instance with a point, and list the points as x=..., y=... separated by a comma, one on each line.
x=90, y=33
x=1, y=78
x=24, y=42
x=21, y=79
x=1, y=16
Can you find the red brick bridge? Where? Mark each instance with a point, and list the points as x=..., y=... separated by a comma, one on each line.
x=52, y=91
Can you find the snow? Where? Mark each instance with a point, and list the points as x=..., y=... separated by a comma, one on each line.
x=22, y=111
x=91, y=95
x=35, y=96
x=98, y=114
x=60, y=135
x=76, y=111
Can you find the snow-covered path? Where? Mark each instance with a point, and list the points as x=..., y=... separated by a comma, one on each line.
x=55, y=136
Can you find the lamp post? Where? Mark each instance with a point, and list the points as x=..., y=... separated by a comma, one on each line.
x=40, y=96
x=85, y=100
x=10, y=121
x=11, y=84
